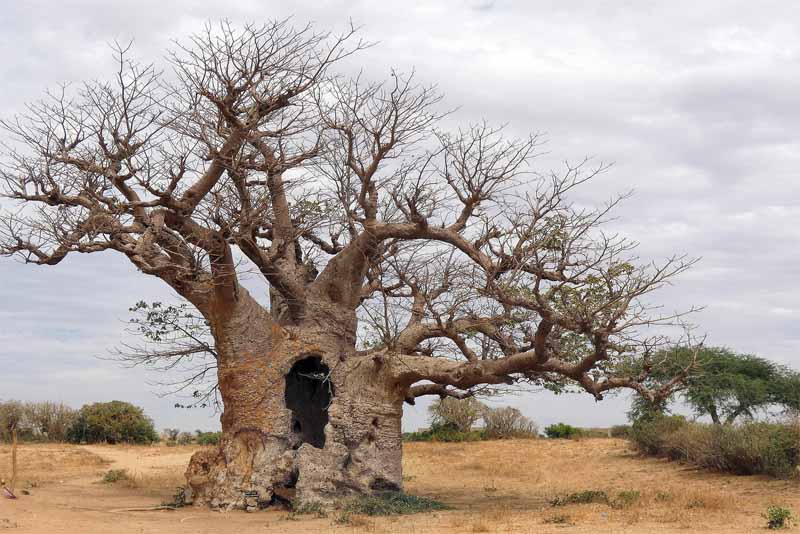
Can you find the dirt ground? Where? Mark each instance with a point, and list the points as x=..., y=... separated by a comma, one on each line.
x=496, y=486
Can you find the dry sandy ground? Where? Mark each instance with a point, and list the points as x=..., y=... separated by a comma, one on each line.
x=500, y=486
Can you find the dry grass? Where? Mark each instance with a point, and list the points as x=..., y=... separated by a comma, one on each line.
x=497, y=487
x=43, y=463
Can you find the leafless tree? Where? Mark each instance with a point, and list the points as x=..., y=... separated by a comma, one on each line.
x=465, y=268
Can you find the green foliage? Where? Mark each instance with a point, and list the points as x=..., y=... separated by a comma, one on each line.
x=748, y=449
x=444, y=433
x=115, y=475
x=393, y=503
x=562, y=431
x=778, y=517
x=581, y=497
x=724, y=385
x=112, y=422
x=208, y=438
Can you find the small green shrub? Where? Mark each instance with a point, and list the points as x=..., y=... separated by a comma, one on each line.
x=393, y=503
x=778, y=517
x=581, y=497
x=208, y=438
x=115, y=475
x=627, y=498
x=562, y=431
x=664, y=496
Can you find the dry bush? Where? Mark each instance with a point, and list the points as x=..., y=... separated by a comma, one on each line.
x=507, y=422
x=51, y=420
x=13, y=417
x=620, y=431
x=748, y=449
x=691, y=442
x=170, y=434
x=35, y=421
x=115, y=475
x=457, y=414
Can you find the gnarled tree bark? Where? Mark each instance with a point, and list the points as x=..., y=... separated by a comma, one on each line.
x=306, y=417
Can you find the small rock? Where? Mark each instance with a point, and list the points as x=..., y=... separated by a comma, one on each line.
x=251, y=509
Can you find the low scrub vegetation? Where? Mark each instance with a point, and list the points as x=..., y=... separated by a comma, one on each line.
x=393, y=503
x=444, y=433
x=453, y=420
x=581, y=497
x=620, y=431
x=115, y=475
x=778, y=517
x=173, y=437
x=562, y=431
x=458, y=414
x=507, y=422
x=747, y=449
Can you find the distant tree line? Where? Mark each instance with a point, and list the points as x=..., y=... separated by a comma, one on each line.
x=101, y=422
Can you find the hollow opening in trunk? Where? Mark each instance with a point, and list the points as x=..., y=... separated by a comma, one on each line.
x=308, y=395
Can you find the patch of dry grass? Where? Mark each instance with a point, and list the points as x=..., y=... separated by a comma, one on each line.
x=40, y=463
x=497, y=487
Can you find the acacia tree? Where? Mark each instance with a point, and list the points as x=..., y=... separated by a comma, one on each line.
x=724, y=385
x=465, y=268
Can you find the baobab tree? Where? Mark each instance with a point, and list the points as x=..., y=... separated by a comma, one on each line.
x=401, y=259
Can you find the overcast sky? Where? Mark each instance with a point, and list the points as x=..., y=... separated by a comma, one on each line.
x=695, y=102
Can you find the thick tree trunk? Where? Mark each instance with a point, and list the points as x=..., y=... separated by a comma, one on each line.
x=305, y=418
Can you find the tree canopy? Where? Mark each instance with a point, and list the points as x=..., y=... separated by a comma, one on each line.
x=112, y=422
x=725, y=385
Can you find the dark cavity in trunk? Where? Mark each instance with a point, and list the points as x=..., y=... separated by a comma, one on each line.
x=308, y=395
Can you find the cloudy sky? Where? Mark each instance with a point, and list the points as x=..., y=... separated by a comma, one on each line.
x=695, y=102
